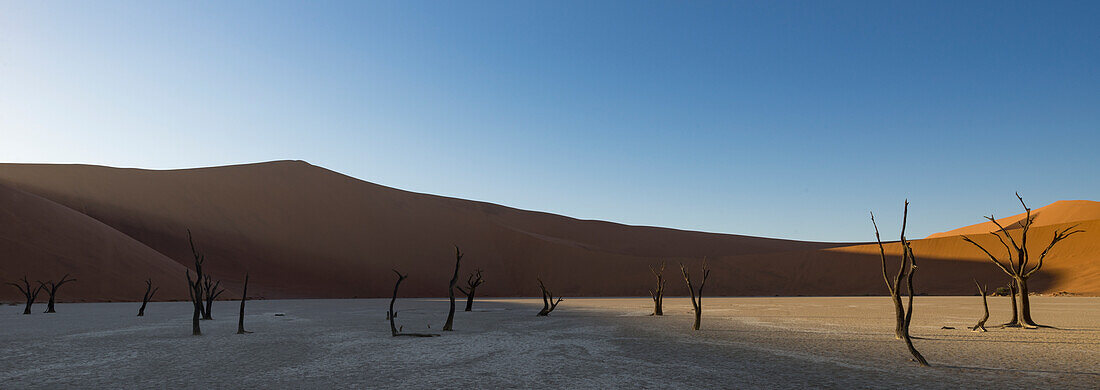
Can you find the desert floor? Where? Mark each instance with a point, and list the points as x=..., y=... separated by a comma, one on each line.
x=587, y=343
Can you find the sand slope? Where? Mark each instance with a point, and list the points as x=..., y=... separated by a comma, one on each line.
x=44, y=240
x=1060, y=212
x=304, y=231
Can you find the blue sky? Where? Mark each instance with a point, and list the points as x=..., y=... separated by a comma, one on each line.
x=778, y=119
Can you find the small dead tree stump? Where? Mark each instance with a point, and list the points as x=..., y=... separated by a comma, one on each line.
x=980, y=326
x=149, y=292
x=548, y=302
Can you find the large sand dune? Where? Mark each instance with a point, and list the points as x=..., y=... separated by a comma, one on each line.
x=303, y=231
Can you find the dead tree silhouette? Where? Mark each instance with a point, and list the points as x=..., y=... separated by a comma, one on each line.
x=1018, y=259
x=658, y=293
x=194, y=288
x=392, y=315
x=906, y=270
x=472, y=282
x=149, y=292
x=696, y=301
x=980, y=326
x=51, y=289
x=210, y=293
x=31, y=294
x=548, y=302
x=244, y=297
x=451, y=292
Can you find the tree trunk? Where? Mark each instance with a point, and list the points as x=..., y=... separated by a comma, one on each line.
x=657, y=310
x=1025, y=305
x=1015, y=321
x=49, y=306
x=899, y=312
x=980, y=326
x=470, y=300
x=244, y=297
x=698, y=316
x=451, y=292
x=141, y=311
x=909, y=313
x=195, y=329
x=206, y=313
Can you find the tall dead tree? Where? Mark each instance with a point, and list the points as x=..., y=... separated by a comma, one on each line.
x=149, y=292
x=1018, y=262
x=31, y=294
x=210, y=293
x=548, y=302
x=451, y=292
x=658, y=293
x=908, y=266
x=51, y=289
x=392, y=315
x=696, y=298
x=194, y=288
x=980, y=326
x=472, y=282
x=244, y=297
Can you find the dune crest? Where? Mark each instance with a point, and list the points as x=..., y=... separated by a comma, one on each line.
x=303, y=231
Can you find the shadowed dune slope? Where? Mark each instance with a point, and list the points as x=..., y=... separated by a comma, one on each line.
x=303, y=231
x=44, y=240
x=1060, y=212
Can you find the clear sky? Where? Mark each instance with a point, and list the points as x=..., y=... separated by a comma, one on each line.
x=779, y=119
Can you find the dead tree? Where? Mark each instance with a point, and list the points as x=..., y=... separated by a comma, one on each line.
x=1017, y=263
x=210, y=293
x=696, y=298
x=51, y=289
x=472, y=282
x=31, y=294
x=658, y=293
x=149, y=291
x=980, y=326
x=908, y=267
x=548, y=302
x=893, y=285
x=392, y=315
x=244, y=297
x=451, y=292
x=194, y=288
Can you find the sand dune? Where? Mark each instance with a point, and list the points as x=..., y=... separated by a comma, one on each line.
x=1060, y=212
x=306, y=232
x=43, y=240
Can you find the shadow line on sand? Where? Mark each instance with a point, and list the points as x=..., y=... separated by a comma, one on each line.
x=1097, y=374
